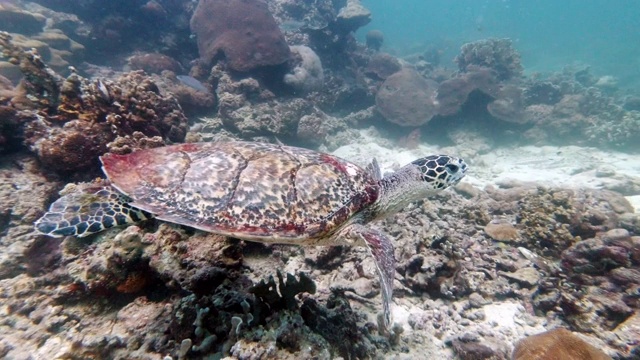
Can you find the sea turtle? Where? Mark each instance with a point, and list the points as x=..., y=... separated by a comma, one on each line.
x=254, y=191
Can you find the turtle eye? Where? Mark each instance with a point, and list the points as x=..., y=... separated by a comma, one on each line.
x=452, y=168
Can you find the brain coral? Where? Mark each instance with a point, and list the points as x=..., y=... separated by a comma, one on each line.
x=243, y=30
x=407, y=99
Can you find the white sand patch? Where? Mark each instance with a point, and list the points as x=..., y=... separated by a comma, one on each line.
x=635, y=202
x=566, y=166
x=400, y=316
x=502, y=314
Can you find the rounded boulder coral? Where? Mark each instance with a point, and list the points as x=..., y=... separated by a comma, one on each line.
x=407, y=99
x=307, y=75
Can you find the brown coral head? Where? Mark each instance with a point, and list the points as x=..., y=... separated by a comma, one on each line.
x=244, y=31
x=557, y=344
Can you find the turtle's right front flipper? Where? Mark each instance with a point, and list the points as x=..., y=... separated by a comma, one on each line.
x=88, y=209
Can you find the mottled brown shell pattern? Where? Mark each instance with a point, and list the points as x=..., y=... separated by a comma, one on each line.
x=243, y=189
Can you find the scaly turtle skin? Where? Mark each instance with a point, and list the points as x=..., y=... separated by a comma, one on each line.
x=254, y=191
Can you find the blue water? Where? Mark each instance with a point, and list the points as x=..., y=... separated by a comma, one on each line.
x=549, y=34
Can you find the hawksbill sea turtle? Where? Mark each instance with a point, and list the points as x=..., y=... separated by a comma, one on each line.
x=254, y=191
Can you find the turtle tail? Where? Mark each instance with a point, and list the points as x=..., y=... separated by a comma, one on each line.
x=87, y=210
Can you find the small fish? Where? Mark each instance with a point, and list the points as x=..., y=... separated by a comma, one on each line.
x=192, y=82
x=103, y=91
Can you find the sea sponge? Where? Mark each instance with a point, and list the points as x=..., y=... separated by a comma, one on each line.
x=557, y=344
x=307, y=75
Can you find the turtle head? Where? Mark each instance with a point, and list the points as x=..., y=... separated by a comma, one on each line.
x=419, y=179
x=440, y=171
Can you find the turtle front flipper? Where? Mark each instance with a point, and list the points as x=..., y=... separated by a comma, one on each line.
x=382, y=251
x=88, y=209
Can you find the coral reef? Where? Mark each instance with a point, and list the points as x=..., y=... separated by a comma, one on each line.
x=496, y=54
x=91, y=114
x=243, y=30
x=75, y=119
x=568, y=107
x=477, y=269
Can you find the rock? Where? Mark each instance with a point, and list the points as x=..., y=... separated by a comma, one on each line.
x=629, y=332
x=471, y=350
x=364, y=287
x=496, y=54
x=476, y=300
x=558, y=344
x=154, y=63
x=407, y=99
x=243, y=30
x=625, y=276
x=527, y=277
x=591, y=256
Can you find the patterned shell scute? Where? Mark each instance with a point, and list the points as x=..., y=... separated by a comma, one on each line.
x=244, y=188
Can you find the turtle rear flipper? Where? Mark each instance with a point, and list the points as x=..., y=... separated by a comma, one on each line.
x=88, y=210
